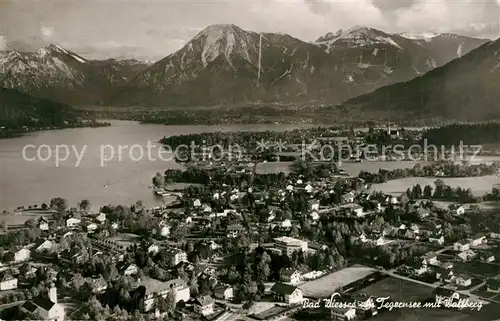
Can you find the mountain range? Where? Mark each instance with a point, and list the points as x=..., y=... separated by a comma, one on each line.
x=221, y=65
x=464, y=89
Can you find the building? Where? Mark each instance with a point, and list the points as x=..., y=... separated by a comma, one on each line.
x=22, y=255
x=128, y=269
x=288, y=245
x=466, y=255
x=153, y=248
x=224, y=292
x=101, y=218
x=7, y=281
x=72, y=222
x=430, y=259
x=436, y=239
x=290, y=276
x=154, y=289
x=234, y=230
x=457, y=209
x=287, y=293
x=341, y=313
x=45, y=307
x=463, y=280
x=461, y=246
x=176, y=256
x=477, y=240
x=43, y=224
x=46, y=245
x=204, y=305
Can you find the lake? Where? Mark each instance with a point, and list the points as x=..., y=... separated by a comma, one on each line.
x=119, y=181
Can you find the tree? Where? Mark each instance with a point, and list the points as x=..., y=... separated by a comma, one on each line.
x=31, y=223
x=158, y=180
x=59, y=204
x=84, y=205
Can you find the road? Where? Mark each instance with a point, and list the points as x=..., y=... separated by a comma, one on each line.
x=10, y=305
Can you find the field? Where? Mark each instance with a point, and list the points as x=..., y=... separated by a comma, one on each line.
x=478, y=185
x=14, y=220
x=352, y=168
x=481, y=269
x=399, y=290
x=329, y=284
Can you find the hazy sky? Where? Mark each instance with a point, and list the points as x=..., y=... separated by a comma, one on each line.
x=152, y=29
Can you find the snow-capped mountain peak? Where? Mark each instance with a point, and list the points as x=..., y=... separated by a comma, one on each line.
x=357, y=36
x=426, y=36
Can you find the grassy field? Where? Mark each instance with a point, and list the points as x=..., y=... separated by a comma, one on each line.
x=478, y=185
x=12, y=219
x=330, y=283
x=481, y=269
x=399, y=290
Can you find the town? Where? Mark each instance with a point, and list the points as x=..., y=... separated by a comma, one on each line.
x=239, y=244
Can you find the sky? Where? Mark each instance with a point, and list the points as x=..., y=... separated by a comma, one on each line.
x=152, y=29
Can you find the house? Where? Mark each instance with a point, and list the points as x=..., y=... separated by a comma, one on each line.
x=101, y=218
x=436, y=239
x=234, y=230
x=419, y=270
x=457, y=209
x=463, y=280
x=487, y=257
x=314, y=216
x=391, y=200
x=224, y=292
x=314, y=205
x=444, y=275
x=197, y=203
x=72, y=222
x=466, y=255
x=7, y=281
x=163, y=229
x=430, y=259
x=98, y=284
x=128, y=269
x=348, y=198
x=45, y=307
x=22, y=255
x=46, y=245
x=288, y=245
x=43, y=224
x=286, y=224
x=477, y=239
x=343, y=313
x=443, y=293
x=461, y=246
x=176, y=256
x=91, y=227
x=287, y=293
x=153, y=248
x=204, y=305
x=290, y=276
x=309, y=188
x=493, y=285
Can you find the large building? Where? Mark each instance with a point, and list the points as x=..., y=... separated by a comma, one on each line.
x=288, y=245
x=45, y=307
x=154, y=289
